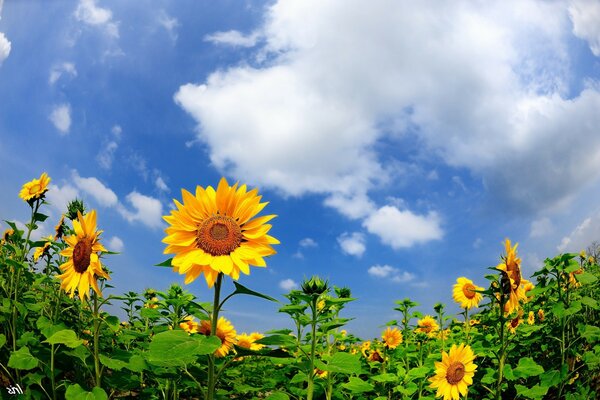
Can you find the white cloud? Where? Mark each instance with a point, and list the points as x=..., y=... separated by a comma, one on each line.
x=58, y=70
x=484, y=86
x=541, y=227
x=233, y=38
x=88, y=12
x=400, y=229
x=583, y=235
x=393, y=274
x=308, y=242
x=99, y=192
x=160, y=184
x=585, y=15
x=146, y=210
x=60, y=197
x=288, y=284
x=106, y=155
x=169, y=23
x=352, y=243
x=116, y=244
x=61, y=118
x=5, y=47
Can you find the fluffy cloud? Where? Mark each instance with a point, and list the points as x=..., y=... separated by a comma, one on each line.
x=484, y=86
x=106, y=155
x=288, y=284
x=146, y=210
x=59, y=197
x=585, y=15
x=61, y=69
x=352, y=243
x=233, y=38
x=103, y=195
x=169, y=23
x=88, y=12
x=308, y=242
x=5, y=47
x=61, y=118
x=582, y=236
x=116, y=244
x=403, y=228
x=391, y=273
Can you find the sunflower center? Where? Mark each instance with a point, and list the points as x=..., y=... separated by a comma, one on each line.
x=81, y=255
x=455, y=372
x=219, y=235
x=469, y=290
x=35, y=188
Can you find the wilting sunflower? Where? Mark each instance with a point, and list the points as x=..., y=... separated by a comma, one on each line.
x=391, y=337
x=59, y=229
x=249, y=341
x=225, y=332
x=464, y=293
x=83, y=265
x=35, y=188
x=511, y=275
x=455, y=373
x=215, y=231
x=427, y=325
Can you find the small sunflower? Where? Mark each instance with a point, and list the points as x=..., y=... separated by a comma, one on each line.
x=391, y=337
x=59, y=229
x=189, y=325
x=35, y=188
x=427, y=325
x=531, y=318
x=464, y=293
x=216, y=232
x=320, y=374
x=365, y=347
x=83, y=265
x=375, y=356
x=7, y=234
x=40, y=251
x=454, y=373
x=249, y=341
x=225, y=332
x=511, y=275
x=541, y=315
x=513, y=324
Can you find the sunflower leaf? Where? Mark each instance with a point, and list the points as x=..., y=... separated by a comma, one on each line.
x=241, y=289
x=66, y=337
x=166, y=263
x=22, y=359
x=177, y=348
x=357, y=385
x=76, y=392
x=527, y=367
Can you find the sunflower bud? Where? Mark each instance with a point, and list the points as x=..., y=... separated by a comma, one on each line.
x=343, y=292
x=315, y=286
x=74, y=207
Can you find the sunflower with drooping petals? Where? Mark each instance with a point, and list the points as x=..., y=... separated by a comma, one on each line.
x=454, y=373
x=40, y=251
x=225, y=331
x=214, y=232
x=464, y=293
x=59, y=229
x=391, y=337
x=83, y=267
x=35, y=188
x=514, y=284
x=427, y=325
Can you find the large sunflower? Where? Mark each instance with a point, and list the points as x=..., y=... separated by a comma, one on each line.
x=455, y=373
x=391, y=337
x=225, y=332
x=464, y=293
x=83, y=265
x=35, y=188
x=511, y=273
x=213, y=232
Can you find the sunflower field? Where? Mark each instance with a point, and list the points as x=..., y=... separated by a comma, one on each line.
x=517, y=338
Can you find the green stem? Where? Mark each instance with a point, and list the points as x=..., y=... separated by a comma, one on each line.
x=313, y=339
x=467, y=325
x=52, y=379
x=97, y=371
x=501, y=355
x=212, y=382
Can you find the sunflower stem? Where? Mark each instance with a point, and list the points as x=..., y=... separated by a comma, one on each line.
x=313, y=339
x=96, y=350
x=212, y=382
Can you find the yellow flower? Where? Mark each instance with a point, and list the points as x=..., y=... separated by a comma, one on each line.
x=225, y=332
x=83, y=264
x=392, y=337
x=464, y=293
x=531, y=318
x=513, y=324
x=343, y=332
x=40, y=251
x=320, y=374
x=541, y=315
x=213, y=232
x=36, y=188
x=248, y=341
x=527, y=287
x=189, y=325
x=320, y=305
x=364, y=347
x=445, y=334
x=513, y=282
x=473, y=322
x=427, y=325
x=454, y=373
x=59, y=229
x=375, y=356
x=7, y=234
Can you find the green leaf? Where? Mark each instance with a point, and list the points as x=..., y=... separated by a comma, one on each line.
x=550, y=378
x=150, y=313
x=586, y=278
x=535, y=392
x=22, y=359
x=357, y=385
x=418, y=372
x=384, y=378
x=278, y=340
x=113, y=363
x=166, y=263
x=2, y=339
x=177, y=348
x=508, y=373
x=39, y=217
x=527, y=367
x=590, y=333
x=278, y=396
x=76, y=392
x=343, y=363
x=66, y=337
x=241, y=289
x=573, y=309
x=137, y=363
x=588, y=301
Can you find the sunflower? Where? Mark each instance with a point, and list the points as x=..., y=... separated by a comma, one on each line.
x=40, y=251
x=35, y=188
x=189, y=325
x=320, y=374
x=375, y=356
x=365, y=347
x=514, y=323
x=531, y=318
x=514, y=283
x=391, y=337
x=427, y=325
x=249, y=341
x=83, y=264
x=225, y=332
x=59, y=229
x=464, y=293
x=454, y=373
x=541, y=315
x=213, y=232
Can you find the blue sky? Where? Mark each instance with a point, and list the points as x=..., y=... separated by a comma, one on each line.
x=399, y=143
